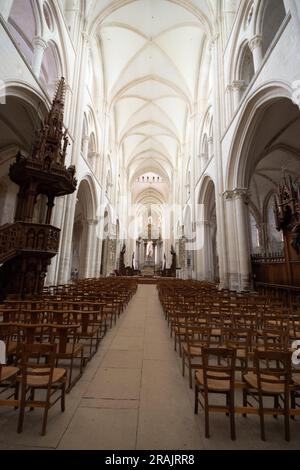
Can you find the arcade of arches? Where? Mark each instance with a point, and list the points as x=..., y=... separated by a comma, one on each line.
x=182, y=118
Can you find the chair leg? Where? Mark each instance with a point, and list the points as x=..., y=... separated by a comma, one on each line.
x=32, y=393
x=190, y=374
x=293, y=403
x=183, y=364
x=244, y=402
x=276, y=404
x=45, y=417
x=22, y=410
x=286, y=418
x=196, y=399
x=206, y=415
x=232, y=417
x=261, y=418
x=63, y=397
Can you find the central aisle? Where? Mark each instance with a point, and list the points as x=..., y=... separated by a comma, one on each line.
x=136, y=397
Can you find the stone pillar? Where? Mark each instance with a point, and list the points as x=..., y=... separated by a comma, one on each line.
x=237, y=88
x=218, y=106
x=39, y=48
x=6, y=8
x=90, y=248
x=210, y=142
x=255, y=45
x=85, y=145
x=231, y=240
x=66, y=240
x=203, y=161
x=57, y=216
x=241, y=200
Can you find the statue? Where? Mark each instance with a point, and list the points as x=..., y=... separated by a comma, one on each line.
x=173, y=264
x=121, y=262
x=149, y=250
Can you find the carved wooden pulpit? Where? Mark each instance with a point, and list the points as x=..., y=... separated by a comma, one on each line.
x=26, y=248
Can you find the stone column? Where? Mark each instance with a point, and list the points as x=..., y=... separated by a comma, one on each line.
x=255, y=45
x=57, y=216
x=231, y=238
x=85, y=146
x=90, y=248
x=6, y=8
x=241, y=200
x=210, y=142
x=66, y=240
x=203, y=161
x=218, y=106
x=39, y=48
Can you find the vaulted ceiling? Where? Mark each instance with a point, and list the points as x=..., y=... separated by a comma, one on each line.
x=154, y=55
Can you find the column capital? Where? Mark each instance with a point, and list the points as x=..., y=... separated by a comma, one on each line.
x=255, y=42
x=85, y=36
x=213, y=41
x=238, y=85
x=241, y=193
x=92, y=221
x=39, y=42
x=228, y=195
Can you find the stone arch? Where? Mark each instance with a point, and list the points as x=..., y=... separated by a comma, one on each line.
x=19, y=118
x=251, y=113
x=84, y=219
x=207, y=239
x=24, y=23
x=52, y=68
x=270, y=16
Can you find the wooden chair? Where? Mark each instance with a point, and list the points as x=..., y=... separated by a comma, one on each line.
x=271, y=379
x=216, y=377
x=196, y=338
x=36, y=375
x=8, y=375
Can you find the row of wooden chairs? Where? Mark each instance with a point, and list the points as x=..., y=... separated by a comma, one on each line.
x=45, y=336
x=241, y=331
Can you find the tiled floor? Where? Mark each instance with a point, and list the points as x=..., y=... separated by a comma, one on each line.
x=132, y=396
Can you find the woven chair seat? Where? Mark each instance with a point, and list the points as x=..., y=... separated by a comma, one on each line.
x=7, y=373
x=251, y=379
x=214, y=384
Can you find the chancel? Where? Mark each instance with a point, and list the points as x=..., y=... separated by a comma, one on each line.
x=149, y=224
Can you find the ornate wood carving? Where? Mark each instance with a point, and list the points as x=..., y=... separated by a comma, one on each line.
x=26, y=248
x=283, y=269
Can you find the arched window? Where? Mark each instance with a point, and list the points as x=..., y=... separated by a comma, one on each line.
x=272, y=18
x=275, y=238
x=22, y=23
x=255, y=245
x=247, y=67
x=51, y=70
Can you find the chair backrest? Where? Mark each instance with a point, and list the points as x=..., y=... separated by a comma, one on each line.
x=37, y=362
x=275, y=340
x=273, y=368
x=218, y=365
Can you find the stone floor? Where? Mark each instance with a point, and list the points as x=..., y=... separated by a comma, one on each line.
x=132, y=396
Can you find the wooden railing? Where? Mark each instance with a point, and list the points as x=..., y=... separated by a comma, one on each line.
x=25, y=236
